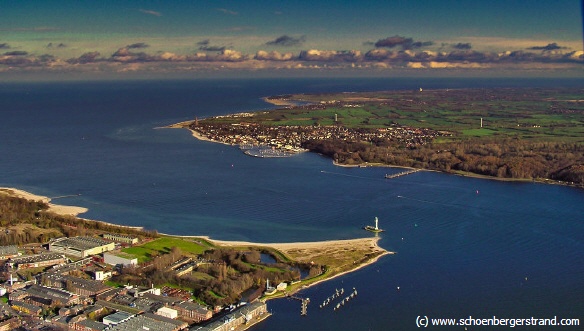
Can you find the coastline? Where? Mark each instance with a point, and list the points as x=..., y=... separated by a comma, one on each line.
x=55, y=208
x=199, y=136
x=297, y=251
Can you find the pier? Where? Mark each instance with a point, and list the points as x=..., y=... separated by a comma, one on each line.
x=399, y=174
x=305, y=302
x=66, y=196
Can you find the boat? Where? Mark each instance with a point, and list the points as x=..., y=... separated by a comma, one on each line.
x=375, y=228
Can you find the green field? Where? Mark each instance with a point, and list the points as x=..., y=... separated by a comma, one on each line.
x=163, y=245
x=530, y=113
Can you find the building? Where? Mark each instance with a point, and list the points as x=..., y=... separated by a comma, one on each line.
x=36, y=261
x=247, y=314
x=84, y=287
x=121, y=238
x=192, y=311
x=79, y=286
x=7, y=252
x=167, y=312
x=82, y=323
x=81, y=246
x=149, y=322
x=53, y=296
x=119, y=258
x=9, y=324
x=117, y=318
x=26, y=308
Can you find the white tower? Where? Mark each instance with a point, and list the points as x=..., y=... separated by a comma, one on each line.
x=376, y=222
x=481, y=122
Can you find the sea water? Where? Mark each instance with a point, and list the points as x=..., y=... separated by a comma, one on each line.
x=465, y=246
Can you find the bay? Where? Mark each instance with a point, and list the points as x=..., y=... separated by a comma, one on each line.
x=513, y=250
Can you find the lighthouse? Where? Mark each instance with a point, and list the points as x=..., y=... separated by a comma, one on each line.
x=376, y=223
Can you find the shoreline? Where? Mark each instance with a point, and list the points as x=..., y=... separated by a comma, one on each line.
x=284, y=248
x=201, y=137
x=55, y=208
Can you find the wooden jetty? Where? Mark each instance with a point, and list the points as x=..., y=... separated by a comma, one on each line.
x=399, y=174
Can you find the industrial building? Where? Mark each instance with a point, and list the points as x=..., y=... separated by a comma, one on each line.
x=247, y=314
x=36, y=261
x=149, y=322
x=121, y=238
x=81, y=246
x=167, y=312
x=119, y=258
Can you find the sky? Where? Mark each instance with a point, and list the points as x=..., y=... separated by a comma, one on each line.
x=83, y=36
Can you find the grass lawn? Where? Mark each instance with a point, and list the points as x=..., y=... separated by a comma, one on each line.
x=164, y=245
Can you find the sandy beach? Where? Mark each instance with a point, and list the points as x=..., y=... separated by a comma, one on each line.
x=279, y=102
x=55, y=208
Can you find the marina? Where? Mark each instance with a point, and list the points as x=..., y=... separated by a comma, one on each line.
x=338, y=293
x=265, y=151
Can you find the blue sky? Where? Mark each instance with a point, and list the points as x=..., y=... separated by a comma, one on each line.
x=381, y=34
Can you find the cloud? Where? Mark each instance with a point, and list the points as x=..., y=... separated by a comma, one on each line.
x=4, y=46
x=403, y=42
x=227, y=11
x=273, y=56
x=287, y=41
x=462, y=46
x=205, y=45
x=89, y=57
x=213, y=48
x=16, y=53
x=137, y=45
x=150, y=12
x=330, y=56
x=548, y=47
x=60, y=45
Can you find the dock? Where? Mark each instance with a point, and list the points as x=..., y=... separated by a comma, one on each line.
x=305, y=302
x=403, y=173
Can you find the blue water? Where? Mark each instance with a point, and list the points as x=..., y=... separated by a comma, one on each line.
x=459, y=253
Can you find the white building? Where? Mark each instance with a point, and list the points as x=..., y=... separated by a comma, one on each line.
x=167, y=312
x=119, y=258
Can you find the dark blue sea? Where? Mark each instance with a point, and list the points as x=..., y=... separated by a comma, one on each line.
x=514, y=250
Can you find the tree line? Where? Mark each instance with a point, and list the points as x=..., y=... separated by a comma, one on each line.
x=508, y=158
x=16, y=211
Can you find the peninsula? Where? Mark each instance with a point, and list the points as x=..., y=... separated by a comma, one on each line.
x=504, y=133
x=167, y=282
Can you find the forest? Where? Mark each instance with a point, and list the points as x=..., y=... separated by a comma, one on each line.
x=26, y=221
x=509, y=158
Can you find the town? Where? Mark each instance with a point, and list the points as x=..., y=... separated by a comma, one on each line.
x=235, y=130
x=61, y=286
x=61, y=272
